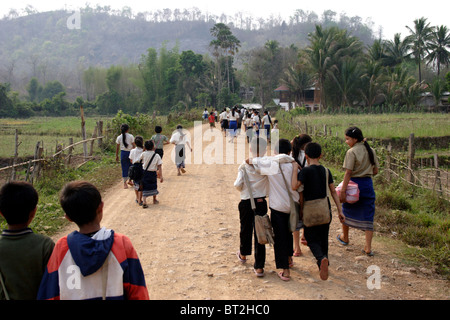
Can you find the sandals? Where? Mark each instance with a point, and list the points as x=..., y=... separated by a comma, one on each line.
x=341, y=241
x=238, y=255
x=369, y=254
x=283, y=277
x=144, y=205
x=259, y=274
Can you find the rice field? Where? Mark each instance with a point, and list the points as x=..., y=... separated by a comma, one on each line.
x=380, y=126
x=50, y=131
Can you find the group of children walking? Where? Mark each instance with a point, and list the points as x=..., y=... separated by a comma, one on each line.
x=98, y=263
x=295, y=172
x=146, y=158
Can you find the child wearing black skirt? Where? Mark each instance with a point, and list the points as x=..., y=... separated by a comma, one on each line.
x=151, y=162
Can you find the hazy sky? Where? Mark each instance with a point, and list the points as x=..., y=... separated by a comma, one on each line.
x=392, y=15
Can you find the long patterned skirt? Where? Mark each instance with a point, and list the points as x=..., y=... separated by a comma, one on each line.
x=360, y=215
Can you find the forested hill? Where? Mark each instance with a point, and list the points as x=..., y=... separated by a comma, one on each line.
x=42, y=45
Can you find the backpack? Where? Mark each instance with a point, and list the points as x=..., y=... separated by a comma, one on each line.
x=135, y=172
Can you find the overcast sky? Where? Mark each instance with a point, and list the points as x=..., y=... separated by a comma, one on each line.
x=392, y=15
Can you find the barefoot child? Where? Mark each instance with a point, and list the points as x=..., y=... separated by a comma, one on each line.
x=151, y=162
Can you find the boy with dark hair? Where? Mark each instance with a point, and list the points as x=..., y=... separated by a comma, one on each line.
x=313, y=179
x=259, y=186
x=94, y=262
x=23, y=254
x=279, y=169
x=159, y=140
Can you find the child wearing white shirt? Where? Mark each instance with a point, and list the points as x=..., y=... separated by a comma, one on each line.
x=279, y=202
x=151, y=162
x=259, y=184
x=135, y=156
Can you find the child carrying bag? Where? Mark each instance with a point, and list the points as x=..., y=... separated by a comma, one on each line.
x=317, y=212
x=263, y=226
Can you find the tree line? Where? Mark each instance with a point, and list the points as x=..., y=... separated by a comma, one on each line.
x=347, y=73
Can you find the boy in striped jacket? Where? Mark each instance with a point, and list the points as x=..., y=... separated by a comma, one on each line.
x=93, y=263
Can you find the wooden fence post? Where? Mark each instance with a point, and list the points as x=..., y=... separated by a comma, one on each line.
x=83, y=132
x=94, y=135
x=69, y=156
x=16, y=154
x=437, y=179
x=100, y=134
x=388, y=163
x=409, y=174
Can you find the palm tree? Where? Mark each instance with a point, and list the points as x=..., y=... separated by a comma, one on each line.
x=438, y=48
x=396, y=51
x=419, y=38
x=345, y=75
x=371, y=78
x=319, y=56
x=297, y=79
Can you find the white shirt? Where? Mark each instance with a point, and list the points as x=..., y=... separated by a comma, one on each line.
x=278, y=195
x=129, y=139
x=301, y=157
x=265, y=120
x=146, y=156
x=178, y=138
x=233, y=118
x=223, y=116
x=135, y=154
x=259, y=183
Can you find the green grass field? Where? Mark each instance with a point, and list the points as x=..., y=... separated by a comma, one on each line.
x=399, y=125
x=50, y=131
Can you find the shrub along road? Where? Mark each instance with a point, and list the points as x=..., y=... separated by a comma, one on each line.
x=187, y=246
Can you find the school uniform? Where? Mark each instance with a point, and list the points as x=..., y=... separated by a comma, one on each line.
x=313, y=179
x=135, y=156
x=266, y=123
x=159, y=139
x=125, y=153
x=223, y=120
x=149, y=179
x=360, y=215
x=248, y=129
x=259, y=184
x=233, y=122
x=180, y=139
x=256, y=124
x=279, y=203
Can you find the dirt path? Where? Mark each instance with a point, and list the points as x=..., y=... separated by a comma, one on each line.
x=187, y=247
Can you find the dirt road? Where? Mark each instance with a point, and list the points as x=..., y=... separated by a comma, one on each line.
x=187, y=245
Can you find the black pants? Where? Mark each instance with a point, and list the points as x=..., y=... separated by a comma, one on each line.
x=160, y=152
x=284, y=242
x=247, y=220
x=317, y=238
